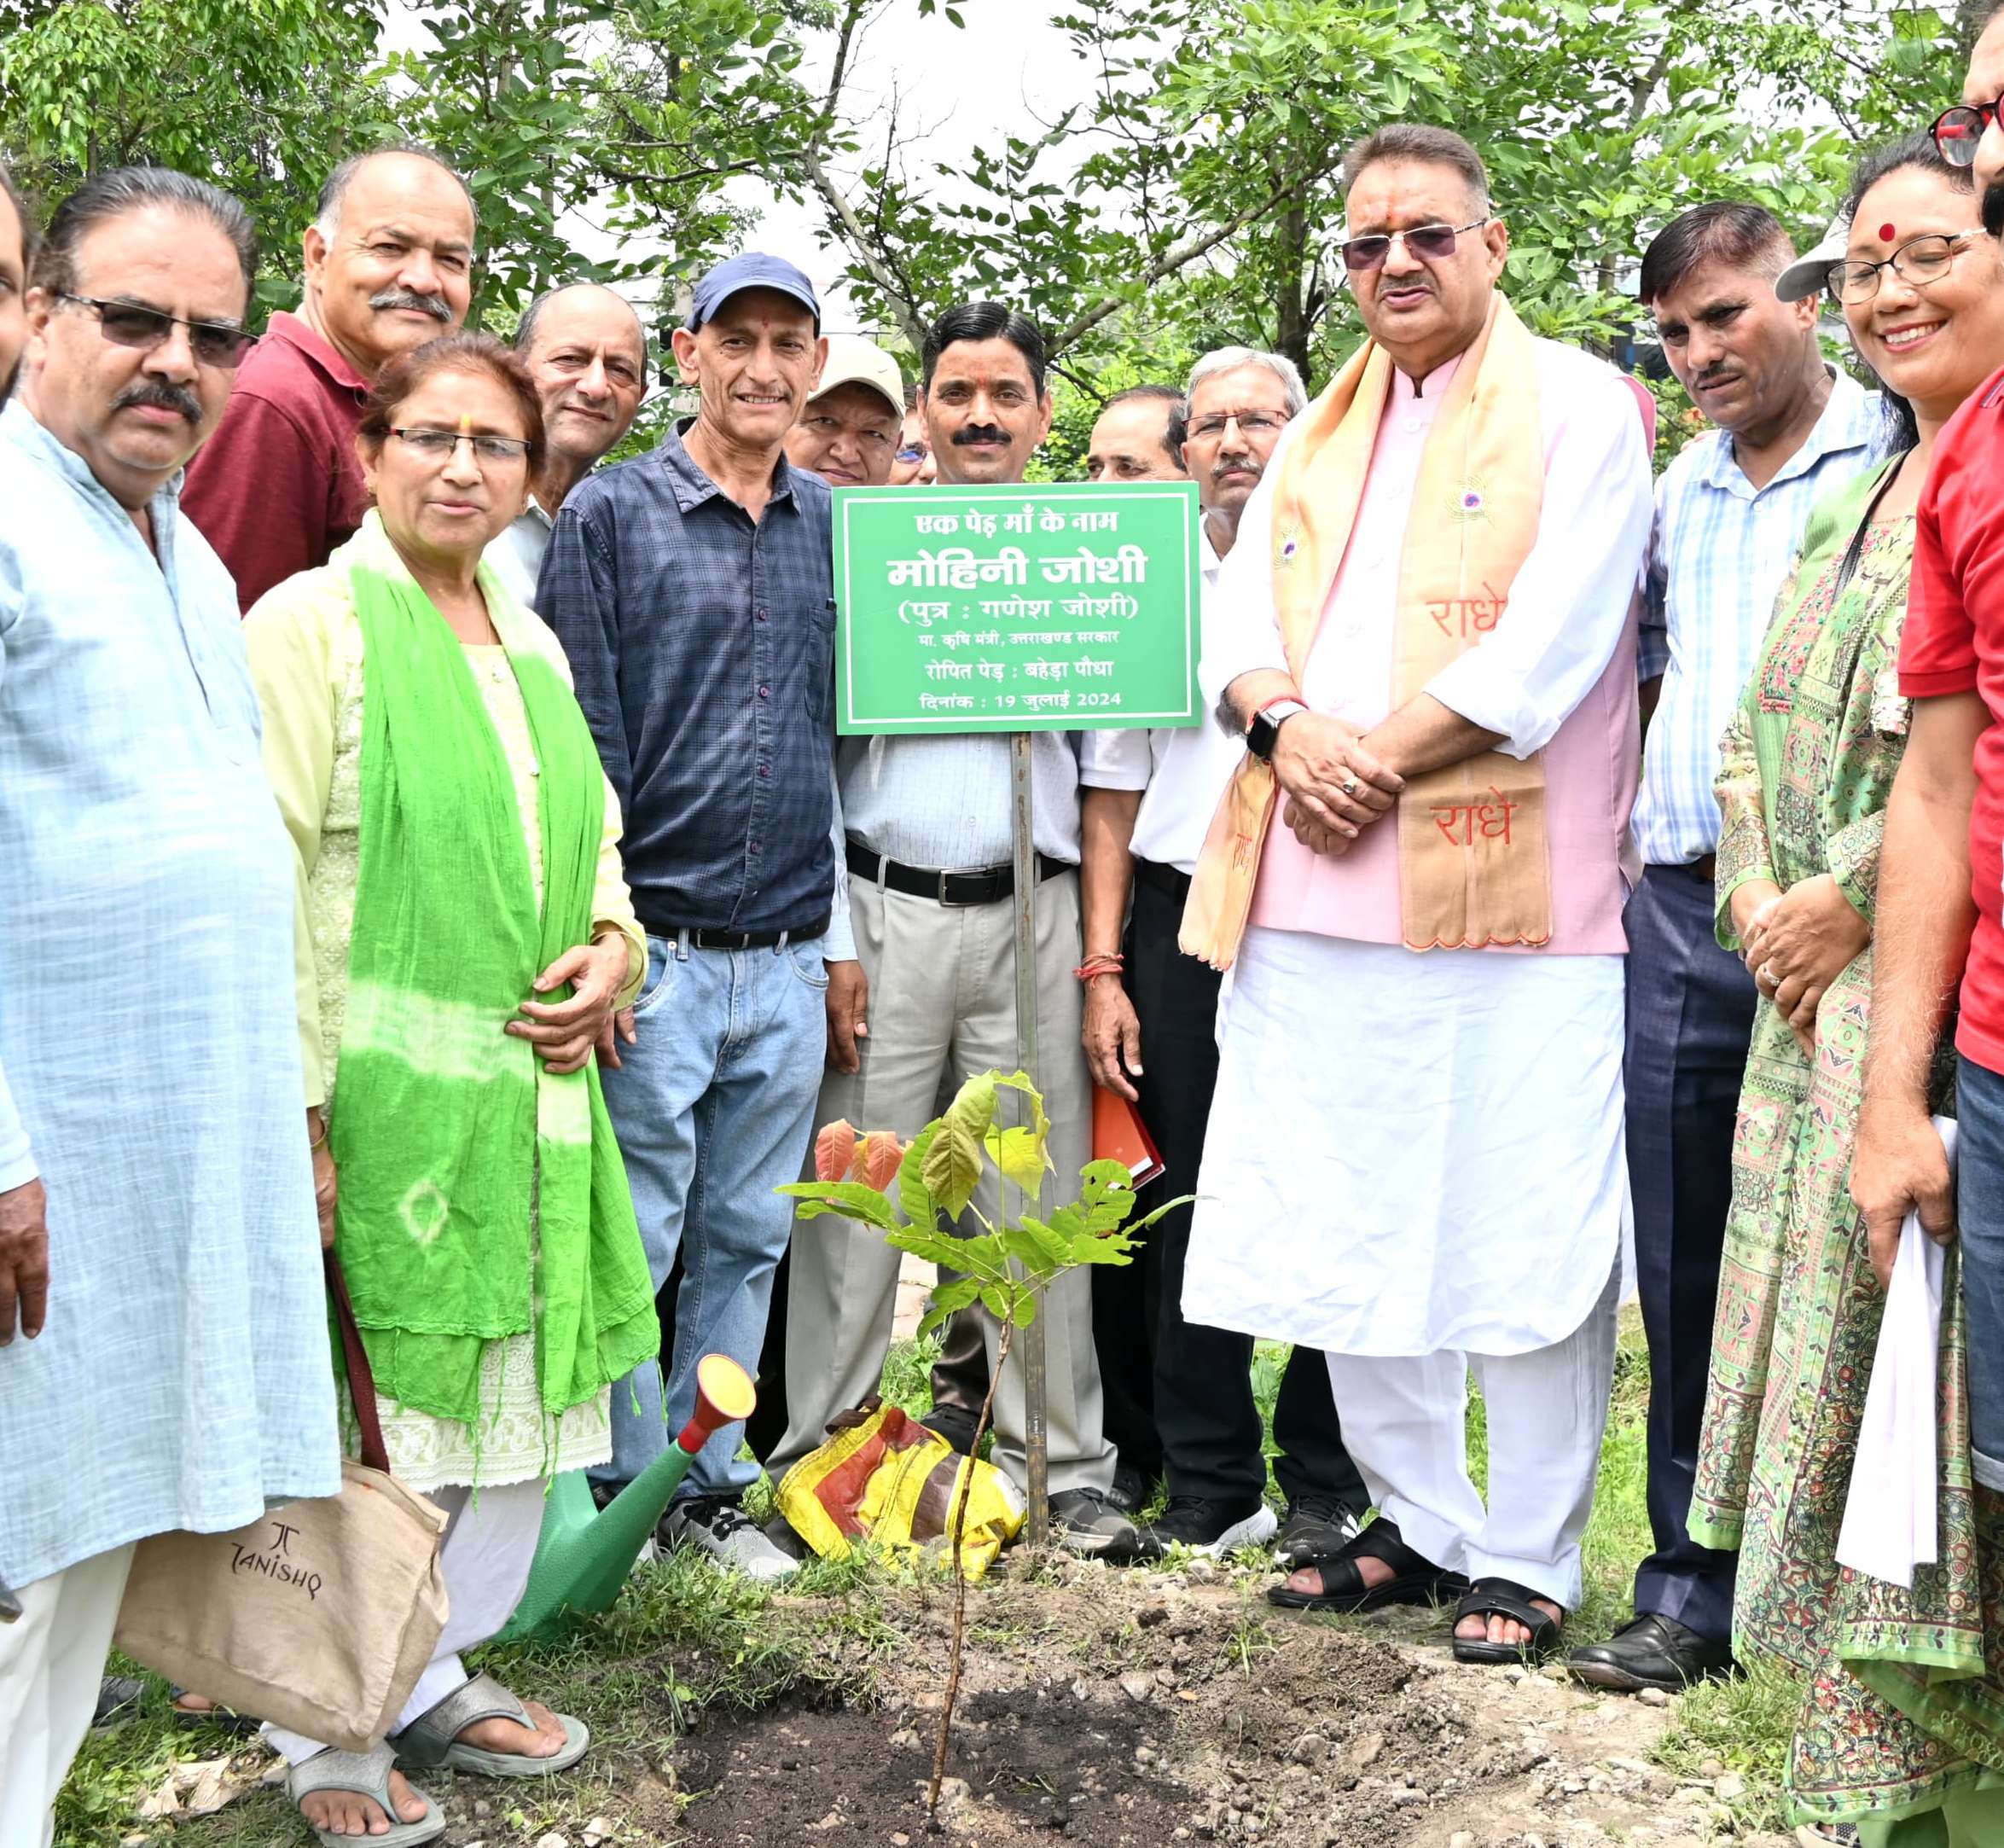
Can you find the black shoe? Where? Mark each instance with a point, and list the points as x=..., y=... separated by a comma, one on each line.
x=1205, y=1527
x=118, y=1699
x=1132, y=1488
x=1085, y=1521
x=956, y=1425
x=1651, y=1651
x=1316, y=1527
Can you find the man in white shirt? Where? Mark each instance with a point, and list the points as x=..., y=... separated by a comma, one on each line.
x=1179, y=1395
x=928, y=916
x=584, y=347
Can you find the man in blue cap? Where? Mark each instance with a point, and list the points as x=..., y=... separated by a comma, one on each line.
x=691, y=589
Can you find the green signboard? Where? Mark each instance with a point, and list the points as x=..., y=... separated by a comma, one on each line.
x=1052, y=608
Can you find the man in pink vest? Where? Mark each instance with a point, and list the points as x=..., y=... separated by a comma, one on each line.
x=1414, y=1159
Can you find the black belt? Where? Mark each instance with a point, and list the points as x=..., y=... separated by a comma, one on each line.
x=1164, y=879
x=708, y=939
x=979, y=885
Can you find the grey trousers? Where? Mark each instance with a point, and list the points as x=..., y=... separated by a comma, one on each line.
x=943, y=988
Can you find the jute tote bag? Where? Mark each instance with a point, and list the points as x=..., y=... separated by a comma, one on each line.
x=321, y=1616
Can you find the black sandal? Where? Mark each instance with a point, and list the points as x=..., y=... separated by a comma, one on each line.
x=1505, y=1597
x=1415, y=1580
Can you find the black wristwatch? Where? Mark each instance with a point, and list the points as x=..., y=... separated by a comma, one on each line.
x=1265, y=732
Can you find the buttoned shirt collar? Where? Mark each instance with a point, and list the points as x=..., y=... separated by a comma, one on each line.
x=693, y=487
x=293, y=330
x=1836, y=429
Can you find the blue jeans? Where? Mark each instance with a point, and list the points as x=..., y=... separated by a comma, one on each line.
x=1979, y=1213
x=714, y=1108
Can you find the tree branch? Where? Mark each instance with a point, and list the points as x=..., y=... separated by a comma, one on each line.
x=860, y=242
x=1174, y=260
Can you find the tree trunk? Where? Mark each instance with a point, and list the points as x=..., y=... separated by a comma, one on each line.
x=1970, y=17
x=1290, y=329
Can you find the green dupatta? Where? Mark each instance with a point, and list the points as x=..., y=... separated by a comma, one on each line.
x=479, y=1195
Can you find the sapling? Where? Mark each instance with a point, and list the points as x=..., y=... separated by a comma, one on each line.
x=1007, y=1267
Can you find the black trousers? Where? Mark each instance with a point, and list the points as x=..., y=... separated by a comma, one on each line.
x=1179, y=1395
x=768, y=1424
x=1690, y=1014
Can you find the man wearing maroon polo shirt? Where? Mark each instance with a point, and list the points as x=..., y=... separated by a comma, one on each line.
x=388, y=266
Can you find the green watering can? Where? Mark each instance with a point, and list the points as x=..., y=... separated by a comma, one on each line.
x=585, y=1552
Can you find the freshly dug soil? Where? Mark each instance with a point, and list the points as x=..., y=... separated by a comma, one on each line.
x=1129, y=1709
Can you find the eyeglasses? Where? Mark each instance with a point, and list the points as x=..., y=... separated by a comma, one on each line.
x=438, y=444
x=1957, y=131
x=1249, y=423
x=129, y=324
x=911, y=455
x=1430, y=242
x=1921, y=260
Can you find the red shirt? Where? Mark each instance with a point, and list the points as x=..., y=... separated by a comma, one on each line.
x=278, y=486
x=1954, y=643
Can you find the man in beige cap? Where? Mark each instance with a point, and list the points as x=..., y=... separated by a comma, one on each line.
x=849, y=430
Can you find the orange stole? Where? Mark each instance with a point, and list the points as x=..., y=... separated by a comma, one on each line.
x=1474, y=866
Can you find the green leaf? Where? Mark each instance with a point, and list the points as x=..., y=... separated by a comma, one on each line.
x=946, y=1298
x=1025, y=1309
x=972, y=1108
x=912, y=1196
x=952, y=1166
x=1023, y=1245
x=851, y=1198
x=1020, y=1155
x=996, y=1300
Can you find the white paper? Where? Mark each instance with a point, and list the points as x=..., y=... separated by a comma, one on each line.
x=1891, y=1521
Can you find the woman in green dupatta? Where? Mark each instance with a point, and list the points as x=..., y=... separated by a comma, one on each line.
x=1899, y=1730
x=466, y=936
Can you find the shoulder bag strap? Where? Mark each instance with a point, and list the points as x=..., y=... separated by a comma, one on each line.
x=361, y=1380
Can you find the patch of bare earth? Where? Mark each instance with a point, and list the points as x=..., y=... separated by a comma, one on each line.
x=1129, y=1709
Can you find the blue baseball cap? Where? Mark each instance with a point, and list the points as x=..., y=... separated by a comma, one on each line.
x=751, y=269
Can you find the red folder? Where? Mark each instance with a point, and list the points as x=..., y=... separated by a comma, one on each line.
x=1119, y=1135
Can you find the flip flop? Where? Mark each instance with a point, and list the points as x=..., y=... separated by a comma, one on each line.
x=1415, y=1580
x=223, y=1718
x=432, y=1739
x=362, y=1774
x=1505, y=1597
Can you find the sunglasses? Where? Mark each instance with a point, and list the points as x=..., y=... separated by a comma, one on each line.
x=1957, y=131
x=911, y=455
x=1429, y=242
x=126, y=323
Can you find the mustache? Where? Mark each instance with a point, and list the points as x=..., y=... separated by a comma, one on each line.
x=434, y=305
x=971, y=433
x=159, y=393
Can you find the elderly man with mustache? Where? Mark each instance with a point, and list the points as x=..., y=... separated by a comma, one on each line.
x=164, y=1357
x=389, y=262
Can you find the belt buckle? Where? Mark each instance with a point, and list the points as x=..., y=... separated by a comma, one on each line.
x=944, y=876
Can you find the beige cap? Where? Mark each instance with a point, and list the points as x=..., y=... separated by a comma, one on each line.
x=1808, y=273
x=859, y=362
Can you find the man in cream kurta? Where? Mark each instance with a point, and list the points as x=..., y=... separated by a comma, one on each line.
x=1415, y=1153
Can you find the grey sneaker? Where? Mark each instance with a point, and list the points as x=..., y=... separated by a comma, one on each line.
x=718, y=1526
x=1086, y=1521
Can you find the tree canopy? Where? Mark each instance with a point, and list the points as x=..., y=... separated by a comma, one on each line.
x=1195, y=200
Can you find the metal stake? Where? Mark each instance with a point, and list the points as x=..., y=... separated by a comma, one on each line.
x=1029, y=1340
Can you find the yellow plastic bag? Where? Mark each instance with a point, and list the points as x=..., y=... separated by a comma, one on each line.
x=885, y=1478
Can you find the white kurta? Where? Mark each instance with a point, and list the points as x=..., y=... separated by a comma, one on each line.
x=1412, y=1152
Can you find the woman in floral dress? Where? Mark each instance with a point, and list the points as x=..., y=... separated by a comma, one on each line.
x=1808, y=764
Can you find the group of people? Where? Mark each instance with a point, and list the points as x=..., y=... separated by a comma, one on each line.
x=1547, y=822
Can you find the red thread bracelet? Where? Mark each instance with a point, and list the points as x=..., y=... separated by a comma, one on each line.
x=1102, y=965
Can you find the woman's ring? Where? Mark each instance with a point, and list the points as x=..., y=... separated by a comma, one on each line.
x=1348, y=786
x=1767, y=975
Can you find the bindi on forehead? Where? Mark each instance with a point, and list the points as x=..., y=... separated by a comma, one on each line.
x=1887, y=233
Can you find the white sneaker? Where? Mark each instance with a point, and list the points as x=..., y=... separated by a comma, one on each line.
x=721, y=1528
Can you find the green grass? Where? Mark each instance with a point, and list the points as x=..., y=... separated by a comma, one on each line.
x=686, y=1639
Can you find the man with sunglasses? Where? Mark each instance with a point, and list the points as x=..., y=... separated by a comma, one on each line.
x=1969, y=135
x=1414, y=1156
x=1179, y=1393
x=1737, y=316
x=389, y=259
x=163, y=1336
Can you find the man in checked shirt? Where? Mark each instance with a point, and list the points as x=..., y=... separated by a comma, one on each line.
x=691, y=589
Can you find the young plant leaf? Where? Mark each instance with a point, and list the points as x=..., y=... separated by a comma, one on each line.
x=851, y=1198
x=1020, y=1155
x=919, y=1205
x=877, y=1159
x=834, y=1151
x=972, y=1108
x=952, y=1165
